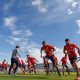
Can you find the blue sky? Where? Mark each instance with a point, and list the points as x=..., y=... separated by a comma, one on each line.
x=28, y=22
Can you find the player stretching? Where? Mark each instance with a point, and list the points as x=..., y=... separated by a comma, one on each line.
x=64, y=64
x=49, y=53
x=69, y=49
x=32, y=61
x=3, y=65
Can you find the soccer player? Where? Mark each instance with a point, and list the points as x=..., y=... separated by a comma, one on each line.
x=29, y=59
x=69, y=49
x=14, y=59
x=3, y=65
x=32, y=61
x=6, y=66
x=29, y=66
x=64, y=64
x=49, y=53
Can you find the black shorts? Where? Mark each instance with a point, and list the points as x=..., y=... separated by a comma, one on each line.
x=64, y=65
x=73, y=59
x=51, y=58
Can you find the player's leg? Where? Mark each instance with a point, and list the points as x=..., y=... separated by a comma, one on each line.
x=46, y=65
x=76, y=68
x=54, y=69
x=34, y=68
x=30, y=68
x=67, y=69
x=74, y=65
x=12, y=63
x=16, y=62
x=20, y=66
x=63, y=68
x=52, y=59
x=24, y=69
x=47, y=69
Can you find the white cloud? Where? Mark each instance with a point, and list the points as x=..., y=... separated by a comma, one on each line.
x=15, y=38
x=74, y=4
x=16, y=32
x=70, y=12
x=40, y=5
x=69, y=1
x=10, y=21
x=28, y=32
x=78, y=23
x=19, y=37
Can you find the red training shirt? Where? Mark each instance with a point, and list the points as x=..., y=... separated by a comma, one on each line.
x=48, y=50
x=71, y=50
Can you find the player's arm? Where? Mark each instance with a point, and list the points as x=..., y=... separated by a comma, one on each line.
x=18, y=54
x=77, y=48
x=78, y=51
x=41, y=52
x=36, y=59
x=53, y=49
x=64, y=51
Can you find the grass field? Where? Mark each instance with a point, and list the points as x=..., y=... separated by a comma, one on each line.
x=38, y=76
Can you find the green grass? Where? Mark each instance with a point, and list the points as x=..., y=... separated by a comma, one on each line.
x=38, y=76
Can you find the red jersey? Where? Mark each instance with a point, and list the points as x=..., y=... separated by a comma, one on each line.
x=19, y=61
x=3, y=64
x=71, y=50
x=48, y=50
x=29, y=58
x=29, y=63
x=33, y=60
x=56, y=59
x=6, y=65
x=64, y=60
